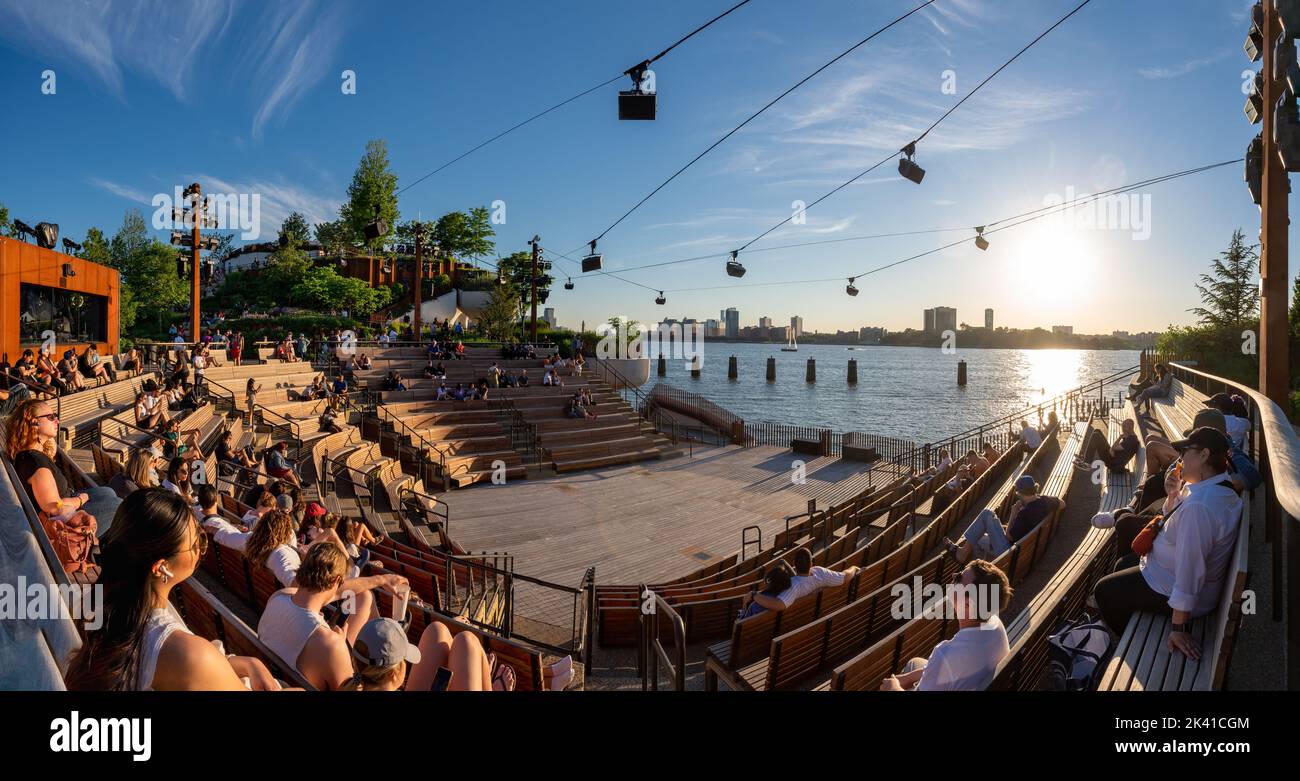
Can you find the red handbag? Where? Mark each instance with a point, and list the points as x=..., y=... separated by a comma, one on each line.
x=72, y=539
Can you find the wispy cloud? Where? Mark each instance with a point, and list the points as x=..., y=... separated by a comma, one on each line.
x=290, y=47
x=121, y=190
x=294, y=50
x=278, y=199
x=1181, y=69
x=157, y=40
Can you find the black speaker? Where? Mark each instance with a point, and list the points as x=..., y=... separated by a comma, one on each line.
x=591, y=263
x=636, y=105
x=910, y=170
x=376, y=229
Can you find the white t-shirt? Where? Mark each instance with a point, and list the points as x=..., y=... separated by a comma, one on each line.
x=968, y=660
x=251, y=518
x=1237, y=428
x=284, y=562
x=225, y=533
x=817, y=579
x=1030, y=437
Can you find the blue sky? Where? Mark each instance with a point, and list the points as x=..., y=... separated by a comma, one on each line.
x=245, y=97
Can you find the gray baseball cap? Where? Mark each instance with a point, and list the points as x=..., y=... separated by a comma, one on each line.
x=383, y=643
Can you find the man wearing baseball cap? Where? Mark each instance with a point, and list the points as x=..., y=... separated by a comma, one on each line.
x=1236, y=427
x=986, y=534
x=1182, y=575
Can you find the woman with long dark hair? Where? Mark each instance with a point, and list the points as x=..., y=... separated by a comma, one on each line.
x=154, y=544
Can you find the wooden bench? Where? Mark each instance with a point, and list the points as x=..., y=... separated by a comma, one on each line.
x=918, y=636
x=79, y=412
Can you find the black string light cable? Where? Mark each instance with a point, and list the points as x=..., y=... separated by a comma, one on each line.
x=1006, y=223
x=566, y=102
x=910, y=148
x=752, y=117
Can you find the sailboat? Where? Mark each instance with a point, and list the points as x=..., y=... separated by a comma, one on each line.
x=792, y=346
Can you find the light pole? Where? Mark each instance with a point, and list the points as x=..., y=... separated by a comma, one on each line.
x=537, y=247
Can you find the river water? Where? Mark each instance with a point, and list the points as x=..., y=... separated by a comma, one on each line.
x=905, y=392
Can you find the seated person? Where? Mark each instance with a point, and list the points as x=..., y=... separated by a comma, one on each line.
x=141, y=643
x=976, y=465
x=383, y=660
x=340, y=387
x=327, y=422
x=235, y=458
x=968, y=660
x=776, y=581
x=141, y=471
x=1029, y=436
x=429, y=369
x=990, y=453
x=1162, y=458
x=523, y=378
x=806, y=580
x=150, y=410
x=208, y=509
x=1115, y=456
x=1159, y=389
x=481, y=391
x=1181, y=572
x=363, y=362
x=439, y=371
x=1237, y=425
x=443, y=393
x=459, y=393
x=277, y=465
x=986, y=535
x=293, y=626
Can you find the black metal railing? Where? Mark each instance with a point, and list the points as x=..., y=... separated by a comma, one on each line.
x=522, y=434
x=655, y=613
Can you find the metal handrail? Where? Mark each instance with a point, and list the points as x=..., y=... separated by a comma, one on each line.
x=651, y=651
x=328, y=480
x=382, y=414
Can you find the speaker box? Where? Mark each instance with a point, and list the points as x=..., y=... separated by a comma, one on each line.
x=636, y=105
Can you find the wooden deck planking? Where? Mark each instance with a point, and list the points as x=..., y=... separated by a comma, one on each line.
x=643, y=522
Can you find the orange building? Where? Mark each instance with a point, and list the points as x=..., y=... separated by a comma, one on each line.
x=42, y=291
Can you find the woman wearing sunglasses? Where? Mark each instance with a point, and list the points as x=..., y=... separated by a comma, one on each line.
x=30, y=433
x=1178, y=562
x=143, y=643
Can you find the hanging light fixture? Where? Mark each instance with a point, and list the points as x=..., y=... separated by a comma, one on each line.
x=849, y=288
x=980, y=241
x=908, y=167
x=734, y=267
x=661, y=300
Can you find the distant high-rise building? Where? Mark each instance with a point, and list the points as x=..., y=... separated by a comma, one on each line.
x=778, y=333
x=549, y=315
x=765, y=322
x=714, y=328
x=940, y=319
x=1063, y=330
x=731, y=317
x=796, y=325
x=988, y=319
x=870, y=335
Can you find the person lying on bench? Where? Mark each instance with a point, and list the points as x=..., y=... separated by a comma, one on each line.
x=383, y=657
x=1180, y=573
x=1115, y=455
x=142, y=643
x=776, y=581
x=806, y=580
x=989, y=538
x=294, y=627
x=1237, y=425
x=968, y=660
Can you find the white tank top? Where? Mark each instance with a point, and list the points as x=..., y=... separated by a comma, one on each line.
x=162, y=622
x=286, y=628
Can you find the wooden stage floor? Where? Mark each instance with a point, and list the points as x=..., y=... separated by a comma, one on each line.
x=643, y=522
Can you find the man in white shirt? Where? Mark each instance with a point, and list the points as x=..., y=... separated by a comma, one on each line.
x=1030, y=436
x=967, y=661
x=806, y=580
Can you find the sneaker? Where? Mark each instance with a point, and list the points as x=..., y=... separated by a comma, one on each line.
x=950, y=547
x=1082, y=466
x=1103, y=520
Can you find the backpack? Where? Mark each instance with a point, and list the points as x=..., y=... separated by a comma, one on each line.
x=1075, y=653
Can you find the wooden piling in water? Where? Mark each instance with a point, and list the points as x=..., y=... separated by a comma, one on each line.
x=812, y=370
x=731, y=368
x=853, y=371
x=771, y=370
x=961, y=373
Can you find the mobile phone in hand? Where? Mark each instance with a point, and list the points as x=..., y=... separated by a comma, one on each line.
x=441, y=680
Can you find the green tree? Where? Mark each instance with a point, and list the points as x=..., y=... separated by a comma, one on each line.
x=466, y=235
x=374, y=186
x=95, y=248
x=150, y=284
x=286, y=267
x=1230, y=292
x=225, y=247
x=517, y=270
x=333, y=237
x=323, y=288
x=500, y=316
x=294, y=231
x=6, y=227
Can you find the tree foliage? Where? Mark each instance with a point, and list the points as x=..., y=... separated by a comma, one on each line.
x=374, y=186
x=150, y=284
x=500, y=317
x=466, y=235
x=1230, y=292
x=294, y=231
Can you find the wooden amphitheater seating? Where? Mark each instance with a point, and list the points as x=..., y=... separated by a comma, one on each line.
x=801, y=652
x=1176, y=412
x=79, y=412
x=1062, y=598
x=332, y=444
x=918, y=636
